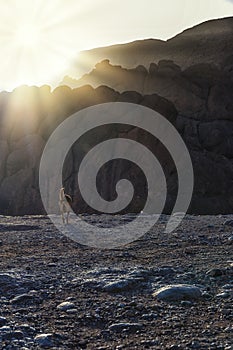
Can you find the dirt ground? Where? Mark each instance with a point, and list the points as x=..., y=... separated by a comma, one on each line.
x=110, y=292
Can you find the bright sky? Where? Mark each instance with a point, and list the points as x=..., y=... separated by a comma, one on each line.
x=39, y=38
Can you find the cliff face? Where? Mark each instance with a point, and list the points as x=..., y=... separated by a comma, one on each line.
x=29, y=115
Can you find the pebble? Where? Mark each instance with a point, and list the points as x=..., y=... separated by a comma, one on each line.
x=66, y=305
x=25, y=298
x=215, y=272
x=5, y=329
x=228, y=223
x=186, y=303
x=149, y=317
x=119, y=327
x=223, y=295
x=3, y=321
x=226, y=312
x=178, y=292
x=227, y=287
x=72, y=311
x=44, y=340
x=13, y=335
x=118, y=286
x=8, y=283
x=26, y=328
x=195, y=344
x=6, y=278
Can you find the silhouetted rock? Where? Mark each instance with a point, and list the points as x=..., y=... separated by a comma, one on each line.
x=209, y=42
x=196, y=92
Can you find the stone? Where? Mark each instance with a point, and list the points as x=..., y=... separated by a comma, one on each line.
x=186, y=303
x=227, y=287
x=13, y=335
x=223, y=295
x=72, y=311
x=8, y=283
x=66, y=305
x=228, y=223
x=6, y=278
x=195, y=344
x=150, y=316
x=130, y=327
x=44, y=340
x=119, y=286
x=215, y=272
x=3, y=321
x=25, y=299
x=26, y=328
x=178, y=293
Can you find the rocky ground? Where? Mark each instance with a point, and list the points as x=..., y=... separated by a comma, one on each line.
x=58, y=294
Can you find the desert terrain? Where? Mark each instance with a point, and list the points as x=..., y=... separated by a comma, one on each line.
x=59, y=294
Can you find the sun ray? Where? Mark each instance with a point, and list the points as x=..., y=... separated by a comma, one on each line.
x=39, y=46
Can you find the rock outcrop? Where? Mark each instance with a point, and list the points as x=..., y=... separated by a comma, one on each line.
x=202, y=114
x=202, y=91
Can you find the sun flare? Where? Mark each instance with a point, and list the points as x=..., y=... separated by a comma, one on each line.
x=28, y=36
x=37, y=41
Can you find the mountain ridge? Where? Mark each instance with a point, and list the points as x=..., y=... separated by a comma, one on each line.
x=185, y=49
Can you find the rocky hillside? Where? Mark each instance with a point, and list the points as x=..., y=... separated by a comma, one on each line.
x=209, y=42
x=189, y=81
x=29, y=115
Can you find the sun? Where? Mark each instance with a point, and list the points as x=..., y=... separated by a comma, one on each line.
x=38, y=40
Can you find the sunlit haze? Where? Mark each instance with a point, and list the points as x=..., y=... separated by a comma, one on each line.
x=39, y=38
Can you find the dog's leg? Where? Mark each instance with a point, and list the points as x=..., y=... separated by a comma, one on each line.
x=63, y=218
x=61, y=211
x=67, y=217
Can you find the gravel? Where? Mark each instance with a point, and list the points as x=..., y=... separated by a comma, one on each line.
x=56, y=293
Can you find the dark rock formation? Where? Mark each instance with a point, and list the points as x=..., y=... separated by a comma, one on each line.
x=189, y=82
x=202, y=91
x=204, y=120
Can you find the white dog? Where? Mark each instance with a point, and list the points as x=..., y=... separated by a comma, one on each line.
x=64, y=203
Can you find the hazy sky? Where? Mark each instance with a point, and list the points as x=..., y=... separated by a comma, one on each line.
x=39, y=38
x=125, y=20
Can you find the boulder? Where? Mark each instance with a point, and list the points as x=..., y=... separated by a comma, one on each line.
x=178, y=292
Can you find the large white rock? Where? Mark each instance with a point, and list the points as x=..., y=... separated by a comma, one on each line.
x=178, y=292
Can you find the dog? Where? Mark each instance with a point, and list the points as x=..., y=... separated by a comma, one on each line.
x=65, y=201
